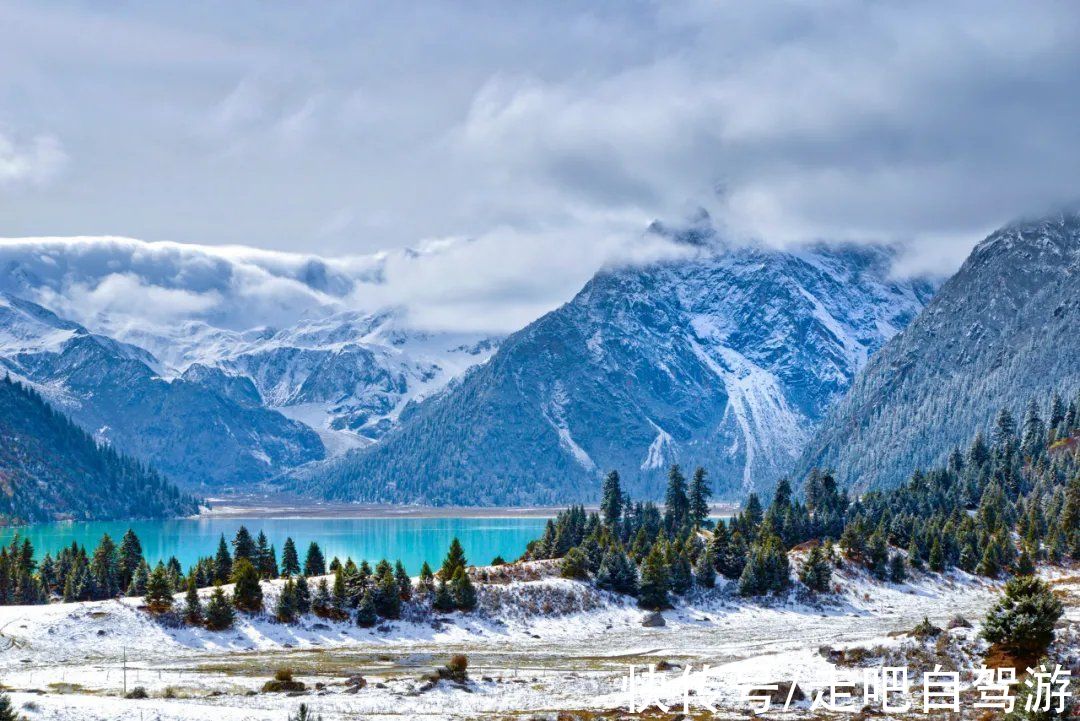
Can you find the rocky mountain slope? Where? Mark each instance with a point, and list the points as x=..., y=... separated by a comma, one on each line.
x=50, y=469
x=1006, y=327
x=281, y=330
x=727, y=359
x=349, y=375
x=203, y=427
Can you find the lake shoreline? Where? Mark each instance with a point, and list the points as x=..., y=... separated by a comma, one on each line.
x=269, y=508
x=292, y=507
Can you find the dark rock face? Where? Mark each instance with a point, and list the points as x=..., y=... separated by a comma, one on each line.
x=1005, y=328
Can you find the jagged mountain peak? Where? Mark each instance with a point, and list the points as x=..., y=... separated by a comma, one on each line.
x=725, y=357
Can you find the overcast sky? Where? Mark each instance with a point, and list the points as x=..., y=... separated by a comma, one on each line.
x=549, y=132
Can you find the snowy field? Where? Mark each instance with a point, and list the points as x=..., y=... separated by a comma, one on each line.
x=539, y=647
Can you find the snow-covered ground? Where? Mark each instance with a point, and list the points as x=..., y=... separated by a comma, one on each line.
x=536, y=646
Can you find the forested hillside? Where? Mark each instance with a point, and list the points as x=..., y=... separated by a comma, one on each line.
x=51, y=469
x=996, y=508
x=1005, y=328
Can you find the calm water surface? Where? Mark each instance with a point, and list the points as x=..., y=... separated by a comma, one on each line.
x=412, y=540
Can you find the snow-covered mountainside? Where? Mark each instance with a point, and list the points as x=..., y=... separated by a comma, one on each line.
x=349, y=375
x=272, y=331
x=202, y=427
x=727, y=359
x=1005, y=328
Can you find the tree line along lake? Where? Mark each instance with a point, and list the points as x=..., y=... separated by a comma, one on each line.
x=412, y=540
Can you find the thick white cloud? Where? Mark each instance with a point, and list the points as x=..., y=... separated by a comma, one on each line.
x=492, y=284
x=549, y=133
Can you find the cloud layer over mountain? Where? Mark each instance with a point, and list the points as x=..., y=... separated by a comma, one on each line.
x=121, y=285
x=539, y=130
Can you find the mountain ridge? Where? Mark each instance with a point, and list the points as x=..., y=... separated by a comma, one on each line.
x=50, y=469
x=1000, y=331
x=185, y=427
x=722, y=360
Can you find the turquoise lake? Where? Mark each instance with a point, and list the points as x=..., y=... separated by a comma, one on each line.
x=410, y=540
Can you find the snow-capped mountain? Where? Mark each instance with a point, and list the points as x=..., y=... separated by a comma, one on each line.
x=349, y=375
x=271, y=330
x=727, y=359
x=201, y=427
x=1001, y=331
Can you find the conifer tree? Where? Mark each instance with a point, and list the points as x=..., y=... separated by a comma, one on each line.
x=247, y=592
x=1004, y=431
x=222, y=562
x=426, y=582
x=387, y=597
x=611, y=500
x=244, y=547
x=455, y=559
x=990, y=564
x=129, y=556
x=444, y=599
x=287, y=606
x=158, y=591
x=718, y=545
x=322, y=604
x=138, y=580
x=937, y=557
x=1024, y=565
x=363, y=574
x=175, y=573
x=219, y=612
x=700, y=492
x=680, y=574
x=193, y=609
x=304, y=714
x=463, y=591
x=265, y=559
x=314, y=563
x=766, y=570
x=705, y=570
x=914, y=552
x=897, y=572
x=7, y=712
x=1023, y=621
x=303, y=595
x=574, y=565
x=1033, y=433
x=728, y=551
x=47, y=574
x=616, y=572
x=752, y=514
x=366, y=616
x=404, y=583
x=654, y=583
x=105, y=568
x=339, y=599
x=676, y=502
x=1057, y=411
x=877, y=556
x=816, y=573
x=290, y=560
